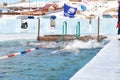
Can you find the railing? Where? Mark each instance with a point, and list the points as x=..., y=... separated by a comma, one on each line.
x=78, y=30
x=64, y=30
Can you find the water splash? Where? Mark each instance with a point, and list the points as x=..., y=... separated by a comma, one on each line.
x=86, y=45
x=71, y=46
x=75, y=45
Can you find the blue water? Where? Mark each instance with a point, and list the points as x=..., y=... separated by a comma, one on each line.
x=41, y=64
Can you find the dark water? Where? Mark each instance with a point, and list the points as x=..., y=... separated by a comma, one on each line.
x=41, y=64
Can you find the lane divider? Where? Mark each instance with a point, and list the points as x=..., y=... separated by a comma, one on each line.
x=22, y=52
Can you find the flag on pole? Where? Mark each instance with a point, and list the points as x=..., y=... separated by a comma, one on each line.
x=84, y=4
x=83, y=7
x=69, y=11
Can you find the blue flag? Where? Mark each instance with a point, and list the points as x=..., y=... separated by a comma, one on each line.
x=69, y=11
x=83, y=7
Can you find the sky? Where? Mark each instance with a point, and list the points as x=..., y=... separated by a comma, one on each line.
x=13, y=1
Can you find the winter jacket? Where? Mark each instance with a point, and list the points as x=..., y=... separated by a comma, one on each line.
x=118, y=25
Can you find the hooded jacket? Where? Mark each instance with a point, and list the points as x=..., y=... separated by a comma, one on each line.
x=118, y=24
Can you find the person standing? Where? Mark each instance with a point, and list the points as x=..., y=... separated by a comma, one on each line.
x=118, y=23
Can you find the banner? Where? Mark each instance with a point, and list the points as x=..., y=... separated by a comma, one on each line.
x=83, y=5
x=69, y=11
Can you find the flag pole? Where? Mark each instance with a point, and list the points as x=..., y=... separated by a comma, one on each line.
x=38, y=29
x=98, y=35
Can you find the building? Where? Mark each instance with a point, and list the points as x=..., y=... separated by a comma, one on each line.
x=45, y=9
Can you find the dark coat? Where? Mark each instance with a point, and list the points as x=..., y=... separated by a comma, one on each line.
x=119, y=14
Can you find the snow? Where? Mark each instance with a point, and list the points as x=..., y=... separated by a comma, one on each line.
x=28, y=4
x=6, y=37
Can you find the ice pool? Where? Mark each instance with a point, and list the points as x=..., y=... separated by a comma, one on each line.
x=56, y=61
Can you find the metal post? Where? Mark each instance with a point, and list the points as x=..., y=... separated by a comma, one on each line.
x=78, y=30
x=64, y=30
x=98, y=35
x=29, y=6
x=38, y=29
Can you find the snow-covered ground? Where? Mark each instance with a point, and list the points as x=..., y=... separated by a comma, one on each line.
x=93, y=8
x=96, y=8
x=6, y=37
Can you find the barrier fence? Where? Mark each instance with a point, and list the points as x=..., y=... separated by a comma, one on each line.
x=22, y=52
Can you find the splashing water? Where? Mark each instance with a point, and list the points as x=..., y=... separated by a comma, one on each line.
x=87, y=45
x=75, y=45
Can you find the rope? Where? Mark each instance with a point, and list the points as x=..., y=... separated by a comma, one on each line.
x=21, y=52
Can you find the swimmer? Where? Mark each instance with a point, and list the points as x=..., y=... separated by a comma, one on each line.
x=67, y=48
